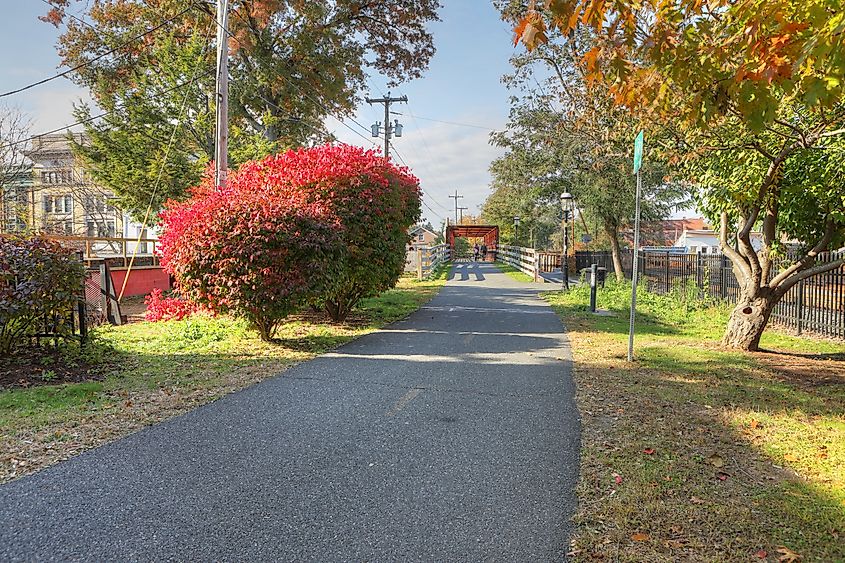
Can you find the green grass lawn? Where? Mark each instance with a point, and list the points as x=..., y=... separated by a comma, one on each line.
x=699, y=453
x=515, y=273
x=146, y=372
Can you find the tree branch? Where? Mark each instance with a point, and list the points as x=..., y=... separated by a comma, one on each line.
x=808, y=258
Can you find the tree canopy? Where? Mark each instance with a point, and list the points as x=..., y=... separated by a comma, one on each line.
x=756, y=87
x=292, y=64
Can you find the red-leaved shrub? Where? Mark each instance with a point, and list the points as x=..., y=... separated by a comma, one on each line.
x=248, y=251
x=160, y=308
x=40, y=282
x=325, y=225
x=373, y=202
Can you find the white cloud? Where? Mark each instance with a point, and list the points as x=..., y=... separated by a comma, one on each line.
x=445, y=157
x=52, y=107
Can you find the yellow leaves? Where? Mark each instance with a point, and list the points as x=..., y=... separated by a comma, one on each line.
x=787, y=555
x=590, y=60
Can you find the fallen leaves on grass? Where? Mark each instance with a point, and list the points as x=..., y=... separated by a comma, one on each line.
x=787, y=555
x=639, y=536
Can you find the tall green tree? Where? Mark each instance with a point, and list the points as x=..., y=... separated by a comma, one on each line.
x=565, y=136
x=292, y=64
x=757, y=87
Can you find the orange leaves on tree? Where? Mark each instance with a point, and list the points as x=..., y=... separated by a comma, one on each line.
x=530, y=31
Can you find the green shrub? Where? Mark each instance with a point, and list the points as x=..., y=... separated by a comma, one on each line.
x=39, y=281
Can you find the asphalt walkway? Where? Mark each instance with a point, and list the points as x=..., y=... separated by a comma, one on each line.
x=451, y=436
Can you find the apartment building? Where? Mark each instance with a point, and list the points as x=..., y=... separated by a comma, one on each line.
x=55, y=194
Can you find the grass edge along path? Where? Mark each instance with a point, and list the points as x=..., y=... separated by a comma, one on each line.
x=160, y=370
x=513, y=272
x=696, y=453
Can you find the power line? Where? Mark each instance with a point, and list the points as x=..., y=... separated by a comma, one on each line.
x=95, y=117
x=166, y=155
x=428, y=151
x=98, y=57
x=451, y=122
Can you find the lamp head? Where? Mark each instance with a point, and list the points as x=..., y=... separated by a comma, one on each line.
x=516, y=220
x=566, y=201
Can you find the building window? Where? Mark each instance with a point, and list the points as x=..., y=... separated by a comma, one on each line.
x=101, y=228
x=421, y=237
x=58, y=203
x=57, y=177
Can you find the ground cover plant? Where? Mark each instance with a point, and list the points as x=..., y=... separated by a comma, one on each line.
x=699, y=453
x=145, y=372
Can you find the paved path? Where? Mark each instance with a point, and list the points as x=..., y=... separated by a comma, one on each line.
x=451, y=435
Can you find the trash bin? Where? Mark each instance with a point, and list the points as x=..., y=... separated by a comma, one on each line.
x=601, y=276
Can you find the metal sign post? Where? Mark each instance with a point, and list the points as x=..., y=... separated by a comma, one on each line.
x=638, y=161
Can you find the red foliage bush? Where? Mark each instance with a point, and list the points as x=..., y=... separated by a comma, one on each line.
x=160, y=308
x=323, y=225
x=373, y=201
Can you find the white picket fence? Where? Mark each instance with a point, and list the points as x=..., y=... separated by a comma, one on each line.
x=526, y=260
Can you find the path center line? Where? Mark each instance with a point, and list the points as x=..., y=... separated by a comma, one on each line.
x=406, y=398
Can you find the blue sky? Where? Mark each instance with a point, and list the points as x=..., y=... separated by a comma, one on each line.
x=461, y=86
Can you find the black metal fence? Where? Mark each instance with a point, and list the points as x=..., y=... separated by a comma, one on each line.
x=816, y=304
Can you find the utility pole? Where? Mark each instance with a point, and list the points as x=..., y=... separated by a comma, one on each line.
x=462, y=209
x=456, y=197
x=638, y=162
x=389, y=130
x=221, y=151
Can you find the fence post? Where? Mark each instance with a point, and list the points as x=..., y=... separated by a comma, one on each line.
x=668, y=283
x=536, y=266
x=699, y=275
x=593, y=273
x=105, y=290
x=419, y=263
x=800, y=312
x=723, y=290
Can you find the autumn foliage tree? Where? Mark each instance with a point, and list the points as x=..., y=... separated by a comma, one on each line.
x=757, y=88
x=292, y=64
x=325, y=225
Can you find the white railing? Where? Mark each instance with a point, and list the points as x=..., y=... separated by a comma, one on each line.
x=526, y=260
x=428, y=258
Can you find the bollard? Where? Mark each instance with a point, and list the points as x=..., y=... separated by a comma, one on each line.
x=593, y=272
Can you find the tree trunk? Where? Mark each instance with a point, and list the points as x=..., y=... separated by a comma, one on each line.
x=747, y=322
x=615, y=250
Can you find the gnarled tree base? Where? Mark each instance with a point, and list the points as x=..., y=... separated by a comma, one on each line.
x=747, y=322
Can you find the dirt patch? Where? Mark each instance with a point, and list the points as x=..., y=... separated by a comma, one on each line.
x=805, y=370
x=133, y=308
x=45, y=366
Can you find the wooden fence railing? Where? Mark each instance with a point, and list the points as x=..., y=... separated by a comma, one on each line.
x=428, y=258
x=118, y=250
x=527, y=260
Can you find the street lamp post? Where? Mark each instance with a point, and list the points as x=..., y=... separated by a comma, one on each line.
x=516, y=230
x=566, y=206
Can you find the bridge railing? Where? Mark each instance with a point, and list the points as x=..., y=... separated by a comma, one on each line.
x=527, y=260
x=429, y=258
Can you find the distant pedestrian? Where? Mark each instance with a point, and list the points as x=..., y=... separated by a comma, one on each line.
x=475, y=251
x=483, y=251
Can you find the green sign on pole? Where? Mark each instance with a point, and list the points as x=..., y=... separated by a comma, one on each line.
x=638, y=152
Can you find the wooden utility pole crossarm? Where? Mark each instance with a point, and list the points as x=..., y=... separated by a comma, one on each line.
x=389, y=130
